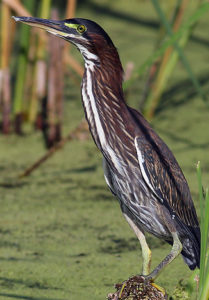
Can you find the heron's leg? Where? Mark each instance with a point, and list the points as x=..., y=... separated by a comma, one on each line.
x=146, y=252
x=175, y=251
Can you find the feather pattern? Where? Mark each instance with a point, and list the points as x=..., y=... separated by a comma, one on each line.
x=162, y=172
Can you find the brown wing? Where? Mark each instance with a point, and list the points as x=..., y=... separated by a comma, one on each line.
x=162, y=172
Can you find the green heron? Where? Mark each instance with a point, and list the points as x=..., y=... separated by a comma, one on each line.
x=139, y=168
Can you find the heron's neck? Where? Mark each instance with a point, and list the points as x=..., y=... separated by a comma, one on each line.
x=102, y=96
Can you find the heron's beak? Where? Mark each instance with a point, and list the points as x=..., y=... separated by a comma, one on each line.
x=52, y=26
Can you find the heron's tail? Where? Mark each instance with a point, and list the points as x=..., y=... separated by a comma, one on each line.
x=191, y=248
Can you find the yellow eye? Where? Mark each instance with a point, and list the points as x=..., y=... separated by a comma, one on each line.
x=81, y=28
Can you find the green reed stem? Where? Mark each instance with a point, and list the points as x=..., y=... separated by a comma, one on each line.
x=204, y=227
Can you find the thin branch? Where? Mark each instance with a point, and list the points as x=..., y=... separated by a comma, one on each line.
x=81, y=129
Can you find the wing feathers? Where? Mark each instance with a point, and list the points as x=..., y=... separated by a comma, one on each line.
x=145, y=173
x=166, y=181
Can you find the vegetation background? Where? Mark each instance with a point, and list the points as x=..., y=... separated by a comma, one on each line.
x=62, y=234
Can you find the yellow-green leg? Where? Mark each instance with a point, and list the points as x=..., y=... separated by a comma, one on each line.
x=146, y=252
x=146, y=255
x=175, y=251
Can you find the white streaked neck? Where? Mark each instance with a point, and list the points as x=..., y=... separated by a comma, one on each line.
x=89, y=57
x=90, y=105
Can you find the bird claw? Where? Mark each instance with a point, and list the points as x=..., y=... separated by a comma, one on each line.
x=159, y=288
x=122, y=288
x=156, y=286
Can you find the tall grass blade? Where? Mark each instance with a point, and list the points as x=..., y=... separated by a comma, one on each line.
x=167, y=64
x=204, y=281
x=172, y=12
x=39, y=85
x=200, y=188
x=204, y=227
x=21, y=70
x=178, y=49
x=203, y=9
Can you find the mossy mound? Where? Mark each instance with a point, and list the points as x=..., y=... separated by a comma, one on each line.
x=137, y=288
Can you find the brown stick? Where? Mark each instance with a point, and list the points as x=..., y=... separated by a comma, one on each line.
x=20, y=10
x=5, y=88
x=70, y=10
x=6, y=102
x=70, y=13
x=55, y=89
x=75, y=134
x=17, y=7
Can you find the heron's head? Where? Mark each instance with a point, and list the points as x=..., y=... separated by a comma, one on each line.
x=88, y=36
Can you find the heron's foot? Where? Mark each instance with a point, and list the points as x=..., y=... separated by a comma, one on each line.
x=159, y=288
x=148, y=278
x=138, y=287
